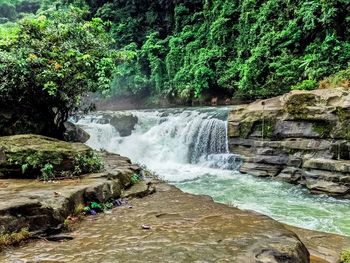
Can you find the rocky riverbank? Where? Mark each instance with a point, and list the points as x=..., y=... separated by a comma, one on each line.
x=42, y=207
x=168, y=225
x=171, y=226
x=301, y=137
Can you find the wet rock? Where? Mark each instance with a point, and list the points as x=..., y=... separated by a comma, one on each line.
x=321, y=186
x=184, y=228
x=328, y=165
x=42, y=206
x=287, y=249
x=56, y=238
x=290, y=175
x=139, y=190
x=295, y=129
x=37, y=149
x=323, y=247
x=124, y=123
x=307, y=130
x=260, y=170
x=74, y=133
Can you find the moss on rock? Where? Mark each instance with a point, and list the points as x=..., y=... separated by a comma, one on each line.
x=14, y=238
x=245, y=128
x=40, y=156
x=297, y=104
x=345, y=256
x=323, y=129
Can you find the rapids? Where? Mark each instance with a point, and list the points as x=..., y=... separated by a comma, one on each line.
x=189, y=148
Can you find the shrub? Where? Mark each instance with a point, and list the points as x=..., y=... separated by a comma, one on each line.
x=88, y=163
x=345, y=256
x=308, y=84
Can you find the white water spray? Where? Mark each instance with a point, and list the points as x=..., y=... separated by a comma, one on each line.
x=189, y=149
x=176, y=144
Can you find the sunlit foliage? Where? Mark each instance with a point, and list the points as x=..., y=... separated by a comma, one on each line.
x=47, y=63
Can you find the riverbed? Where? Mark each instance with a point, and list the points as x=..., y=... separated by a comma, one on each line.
x=188, y=148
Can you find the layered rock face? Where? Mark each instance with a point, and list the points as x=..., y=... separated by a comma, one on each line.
x=302, y=137
x=42, y=207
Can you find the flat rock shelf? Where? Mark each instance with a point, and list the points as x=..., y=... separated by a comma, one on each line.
x=180, y=228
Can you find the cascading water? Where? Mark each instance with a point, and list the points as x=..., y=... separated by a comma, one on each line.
x=188, y=147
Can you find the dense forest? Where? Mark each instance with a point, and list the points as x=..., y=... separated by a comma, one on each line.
x=169, y=49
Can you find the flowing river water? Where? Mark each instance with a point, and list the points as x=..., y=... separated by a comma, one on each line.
x=189, y=148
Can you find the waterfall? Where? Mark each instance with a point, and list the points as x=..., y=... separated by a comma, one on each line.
x=189, y=148
x=170, y=141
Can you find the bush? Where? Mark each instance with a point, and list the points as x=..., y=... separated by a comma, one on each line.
x=88, y=163
x=345, y=256
x=249, y=48
x=49, y=63
x=308, y=84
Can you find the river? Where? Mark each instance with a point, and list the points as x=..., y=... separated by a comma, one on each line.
x=189, y=148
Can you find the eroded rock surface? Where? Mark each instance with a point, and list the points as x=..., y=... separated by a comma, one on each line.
x=172, y=226
x=302, y=137
x=40, y=206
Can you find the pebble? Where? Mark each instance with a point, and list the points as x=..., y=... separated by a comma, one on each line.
x=146, y=227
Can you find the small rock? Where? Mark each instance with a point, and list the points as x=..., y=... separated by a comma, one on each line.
x=146, y=227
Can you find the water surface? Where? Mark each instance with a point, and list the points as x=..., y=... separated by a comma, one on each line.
x=188, y=147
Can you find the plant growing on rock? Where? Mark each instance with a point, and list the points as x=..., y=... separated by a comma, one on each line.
x=345, y=256
x=36, y=161
x=90, y=162
x=14, y=238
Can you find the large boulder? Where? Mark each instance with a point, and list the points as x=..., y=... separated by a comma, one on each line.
x=74, y=133
x=124, y=123
x=35, y=155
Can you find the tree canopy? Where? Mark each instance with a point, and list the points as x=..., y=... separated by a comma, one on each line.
x=173, y=49
x=47, y=63
x=245, y=48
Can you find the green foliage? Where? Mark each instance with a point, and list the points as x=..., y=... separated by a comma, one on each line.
x=188, y=49
x=36, y=161
x=49, y=166
x=345, y=256
x=49, y=62
x=247, y=48
x=88, y=163
x=14, y=238
x=308, y=84
x=11, y=10
x=47, y=172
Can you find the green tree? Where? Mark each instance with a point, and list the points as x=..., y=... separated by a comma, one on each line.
x=48, y=64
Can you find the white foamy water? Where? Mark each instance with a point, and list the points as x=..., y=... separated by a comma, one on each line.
x=188, y=147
